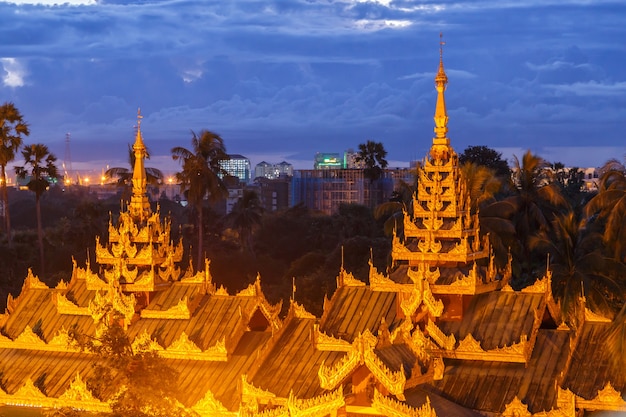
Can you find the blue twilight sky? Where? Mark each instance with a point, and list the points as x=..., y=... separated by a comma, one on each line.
x=283, y=79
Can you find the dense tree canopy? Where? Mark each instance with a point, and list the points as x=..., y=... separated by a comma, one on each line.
x=485, y=156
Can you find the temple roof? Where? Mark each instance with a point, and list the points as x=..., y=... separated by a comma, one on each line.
x=498, y=318
x=294, y=360
x=591, y=368
x=352, y=310
x=490, y=386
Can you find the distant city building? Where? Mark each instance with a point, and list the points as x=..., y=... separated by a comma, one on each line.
x=271, y=171
x=326, y=189
x=591, y=179
x=284, y=169
x=349, y=157
x=237, y=166
x=328, y=161
x=275, y=193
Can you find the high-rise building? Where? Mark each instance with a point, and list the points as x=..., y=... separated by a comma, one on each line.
x=237, y=166
x=270, y=171
x=328, y=161
x=326, y=189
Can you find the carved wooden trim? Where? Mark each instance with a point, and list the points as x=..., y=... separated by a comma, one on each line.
x=608, y=398
x=300, y=312
x=184, y=348
x=516, y=408
x=210, y=406
x=324, y=342
x=65, y=306
x=392, y=408
x=321, y=405
x=469, y=348
x=445, y=342
x=250, y=393
x=178, y=312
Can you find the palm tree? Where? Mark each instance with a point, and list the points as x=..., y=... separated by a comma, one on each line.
x=200, y=175
x=245, y=217
x=12, y=128
x=609, y=205
x=41, y=169
x=579, y=267
x=372, y=155
x=124, y=176
x=483, y=185
x=537, y=201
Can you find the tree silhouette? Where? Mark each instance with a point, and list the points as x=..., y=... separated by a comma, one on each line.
x=372, y=155
x=12, y=129
x=39, y=165
x=245, y=217
x=609, y=205
x=200, y=175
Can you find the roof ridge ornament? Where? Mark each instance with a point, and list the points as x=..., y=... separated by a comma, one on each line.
x=440, y=150
x=139, y=206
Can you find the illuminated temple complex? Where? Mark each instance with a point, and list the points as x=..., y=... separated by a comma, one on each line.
x=442, y=334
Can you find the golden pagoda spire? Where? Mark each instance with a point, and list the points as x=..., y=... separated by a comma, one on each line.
x=440, y=149
x=139, y=207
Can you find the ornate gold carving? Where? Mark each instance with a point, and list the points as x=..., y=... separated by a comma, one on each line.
x=178, y=312
x=65, y=306
x=322, y=405
x=438, y=368
x=516, y=408
x=379, y=282
x=249, y=291
x=593, y=317
x=423, y=272
x=184, y=348
x=538, y=287
x=331, y=377
x=221, y=291
x=347, y=279
x=446, y=342
x=470, y=348
x=144, y=343
x=29, y=338
x=32, y=281
x=78, y=396
x=566, y=402
x=608, y=398
x=392, y=408
x=300, y=312
x=393, y=381
x=93, y=281
x=183, y=344
x=468, y=281
x=362, y=353
x=328, y=343
x=469, y=344
x=29, y=392
x=209, y=406
x=250, y=393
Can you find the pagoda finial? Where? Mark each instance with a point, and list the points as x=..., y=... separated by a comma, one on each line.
x=440, y=149
x=139, y=206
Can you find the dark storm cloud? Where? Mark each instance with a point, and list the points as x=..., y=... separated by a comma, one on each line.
x=289, y=78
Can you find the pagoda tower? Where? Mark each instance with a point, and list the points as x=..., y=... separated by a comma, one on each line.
x=139, y=256
x=442, y=230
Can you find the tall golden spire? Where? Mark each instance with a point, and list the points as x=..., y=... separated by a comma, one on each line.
x=440, y=149
x=139, y=205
